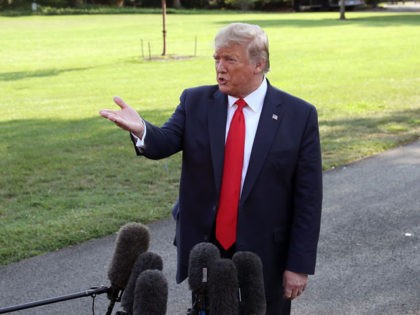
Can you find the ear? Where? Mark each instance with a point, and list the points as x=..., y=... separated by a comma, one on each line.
x=259, y=67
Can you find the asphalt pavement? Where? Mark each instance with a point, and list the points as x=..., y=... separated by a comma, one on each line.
x=368, y=259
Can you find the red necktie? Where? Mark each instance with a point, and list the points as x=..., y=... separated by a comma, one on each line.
x=231, y=182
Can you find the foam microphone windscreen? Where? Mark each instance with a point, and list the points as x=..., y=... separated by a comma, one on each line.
x=201, y=257
x=145, y=261
x=151, y=293
x=251, y=282
x=132, y=240
x=223, y=288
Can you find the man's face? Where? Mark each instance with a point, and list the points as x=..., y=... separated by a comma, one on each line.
x=235, y=73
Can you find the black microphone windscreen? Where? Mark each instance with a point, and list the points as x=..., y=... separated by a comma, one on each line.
x=151, y=293
x=201, y=257
x=132, y=239
x=223, y=288
x=145, y=261
x=251, y=282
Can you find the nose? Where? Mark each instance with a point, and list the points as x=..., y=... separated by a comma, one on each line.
x=220, y=67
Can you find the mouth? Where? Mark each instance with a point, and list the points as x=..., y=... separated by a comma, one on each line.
x=221, y=80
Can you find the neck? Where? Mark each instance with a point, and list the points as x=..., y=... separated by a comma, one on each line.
x=253, y=87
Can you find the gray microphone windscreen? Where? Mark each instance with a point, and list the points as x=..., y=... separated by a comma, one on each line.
x=145, y=261
x=201, y=257
x=223, y=288
x=151, y=293
x=132, y=239
x=251, y=282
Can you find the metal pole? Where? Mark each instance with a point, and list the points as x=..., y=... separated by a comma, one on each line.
x=150, y=52
x=89, y=292
x=195, y=46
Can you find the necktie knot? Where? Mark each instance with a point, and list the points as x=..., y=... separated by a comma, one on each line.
x=241, y=103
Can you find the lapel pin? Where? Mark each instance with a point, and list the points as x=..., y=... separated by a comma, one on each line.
x=275, y=117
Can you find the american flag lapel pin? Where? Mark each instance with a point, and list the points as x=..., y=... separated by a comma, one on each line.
x=275, y=117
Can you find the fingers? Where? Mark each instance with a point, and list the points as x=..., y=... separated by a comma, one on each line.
x=294, y=284
x=113, y=115
x=292, y=294
x=119, y=101
x=106, y=113
x=110, y=115
x=126, y=117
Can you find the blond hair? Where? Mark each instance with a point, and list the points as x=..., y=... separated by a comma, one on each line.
x=245, y=34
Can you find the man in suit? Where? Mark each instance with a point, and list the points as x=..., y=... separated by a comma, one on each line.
x=274, y=208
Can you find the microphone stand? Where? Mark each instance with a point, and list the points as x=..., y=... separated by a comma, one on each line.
x=199, y=305
x=90, y=292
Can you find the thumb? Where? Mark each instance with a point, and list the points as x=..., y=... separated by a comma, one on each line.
x=119, y=101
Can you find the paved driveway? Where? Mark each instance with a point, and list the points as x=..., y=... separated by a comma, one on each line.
x=368, y=262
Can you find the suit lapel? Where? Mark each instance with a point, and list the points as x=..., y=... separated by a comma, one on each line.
x=217, y=128
x=270, y=120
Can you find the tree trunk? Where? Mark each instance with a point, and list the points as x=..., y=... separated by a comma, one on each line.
x=177, y=4
x=164, y=26
x=342, y=10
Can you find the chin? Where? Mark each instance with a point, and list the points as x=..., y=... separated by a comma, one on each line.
x=224, y=89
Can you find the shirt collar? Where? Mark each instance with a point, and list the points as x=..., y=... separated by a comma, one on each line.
x=254, y=100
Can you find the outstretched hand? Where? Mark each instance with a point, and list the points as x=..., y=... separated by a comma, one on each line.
x=126, y=118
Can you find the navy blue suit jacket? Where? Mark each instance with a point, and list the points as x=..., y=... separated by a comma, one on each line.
x=280, y=207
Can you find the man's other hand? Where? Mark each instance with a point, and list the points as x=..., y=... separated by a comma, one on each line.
x=294, y=284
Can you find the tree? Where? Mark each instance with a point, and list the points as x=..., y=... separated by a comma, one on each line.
x=164, y=26
x=342, y=10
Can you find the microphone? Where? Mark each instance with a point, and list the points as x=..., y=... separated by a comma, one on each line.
x=132, y=239
x=251, y=283
x=223, y=288
x=145, y=261
x=151, y=293
x=201, y=258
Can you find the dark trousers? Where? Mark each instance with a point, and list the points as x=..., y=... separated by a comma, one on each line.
x=279, y=307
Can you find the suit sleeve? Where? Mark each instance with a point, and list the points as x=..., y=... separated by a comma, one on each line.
x=161, y=142
x=307, y=200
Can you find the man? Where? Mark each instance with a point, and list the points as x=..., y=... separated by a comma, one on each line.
x=274, y=208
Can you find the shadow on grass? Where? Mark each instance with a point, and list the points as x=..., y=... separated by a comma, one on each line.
x=46, y=151
x=20, y=75
x=349, y=139
x=370, y=20
x=33, y=144
x=394, y=122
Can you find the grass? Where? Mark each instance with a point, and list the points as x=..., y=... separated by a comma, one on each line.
x=67, y=175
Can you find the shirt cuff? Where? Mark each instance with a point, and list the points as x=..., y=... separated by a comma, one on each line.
x=139, y=143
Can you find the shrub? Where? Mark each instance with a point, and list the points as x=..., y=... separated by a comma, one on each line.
x=243, y=5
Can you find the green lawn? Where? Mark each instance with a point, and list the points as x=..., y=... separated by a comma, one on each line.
x=68, y=175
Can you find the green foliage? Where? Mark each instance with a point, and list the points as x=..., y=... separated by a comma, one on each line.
x=196, y=4
x=54, y=3
x=67, y=175
x=148, y=3
x=243, y=5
